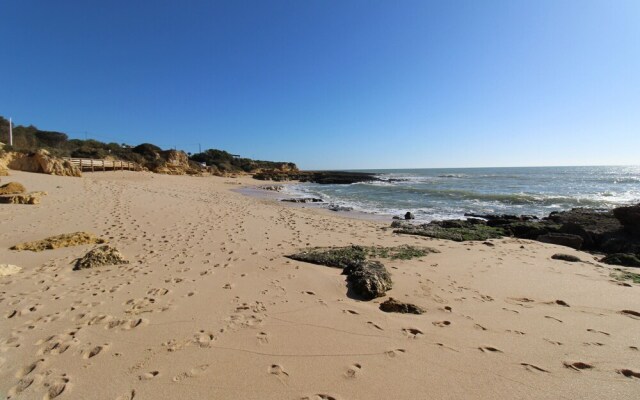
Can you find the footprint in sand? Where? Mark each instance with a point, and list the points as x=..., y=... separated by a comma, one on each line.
x=263, y=337
x=27, y=369
x=441, y=324
x=148, y=375
x=56, y=387
x=192, y=373
x=553, y=318
x=533, y=368
x=22, y=384
x=353, y=370
x=629, y=373
x=577, y=366
x=394, y=353
x=351, y=312
x=319, y=396
x=129, y=396
x=277, y=370
x=631, y=313
x=601, y=332
x=94, y=351
x=412, y=333
x=489, y=349
x=378, y=327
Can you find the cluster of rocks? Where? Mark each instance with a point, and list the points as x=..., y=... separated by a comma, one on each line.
x=303, y=200
x=322, y=177
x=41, y=161
x=59, y=241
x=100, y=256
x=613, y=232
x=176, y=162
x=367, y=278
x=16, y=193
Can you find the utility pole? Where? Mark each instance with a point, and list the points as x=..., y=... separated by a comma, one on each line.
x=199, y=148
x=10, y=132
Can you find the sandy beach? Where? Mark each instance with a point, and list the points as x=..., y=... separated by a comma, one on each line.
x=209, y=307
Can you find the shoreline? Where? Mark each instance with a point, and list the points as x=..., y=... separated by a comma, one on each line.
x=277, y=197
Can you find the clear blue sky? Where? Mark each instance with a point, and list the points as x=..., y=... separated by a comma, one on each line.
x=334, y=84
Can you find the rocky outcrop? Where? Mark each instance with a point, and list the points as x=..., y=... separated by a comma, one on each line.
x=409, y=215
x=565, y=257
x=612, y=232
x=9, y=269
x=43, y=162
x=322, y=177
x=369, y=279
x=175, y=162
x=458, y=231
x=303, y=200
x=562, y=239
x=100, y=256
x=22, y=198
x=395, y=306
x=12, y=188
x=59, y=241
x=629, y=217
x=627, y=260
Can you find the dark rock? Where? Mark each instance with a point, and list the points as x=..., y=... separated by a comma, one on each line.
x=629, y=217
x=455, y=230
x=393, y=305
x=303, y=200
x=627, y=260
x=562, y=239
x=565, y=257
x=103, y=255
x=334, y=207
x=321, y=177
x=409, y=215
x=339, y=257
x=396, y=217
x=369, y=279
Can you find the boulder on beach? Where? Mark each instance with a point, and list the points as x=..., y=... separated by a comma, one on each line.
x=626, y=260
x=303, y=200
x=9, y=269
x=12, y=188
x=409, y=215
x=336, y=257
x=369, y=279
x=562, y=239
x=43, y=162
x=103, y=255
x=59, y=241
x=393, y=305
x=565, y=257
x=455, y=230
x=23, y=198
x=629, y=217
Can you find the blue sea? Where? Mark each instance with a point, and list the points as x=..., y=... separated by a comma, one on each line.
x=450, y=193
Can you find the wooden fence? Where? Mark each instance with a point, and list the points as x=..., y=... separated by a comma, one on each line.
x=88, y=164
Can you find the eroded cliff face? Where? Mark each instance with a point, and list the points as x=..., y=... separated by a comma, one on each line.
x=175, y=162
x=42, y=162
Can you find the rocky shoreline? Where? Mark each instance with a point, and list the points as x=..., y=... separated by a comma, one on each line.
x=615, y=233
x=321, y=177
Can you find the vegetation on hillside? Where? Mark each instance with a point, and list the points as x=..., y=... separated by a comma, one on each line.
x=28, y=139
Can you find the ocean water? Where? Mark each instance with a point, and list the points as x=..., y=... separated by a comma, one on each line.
x=449, y=193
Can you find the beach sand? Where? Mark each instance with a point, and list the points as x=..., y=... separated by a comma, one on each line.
x=209, y=307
